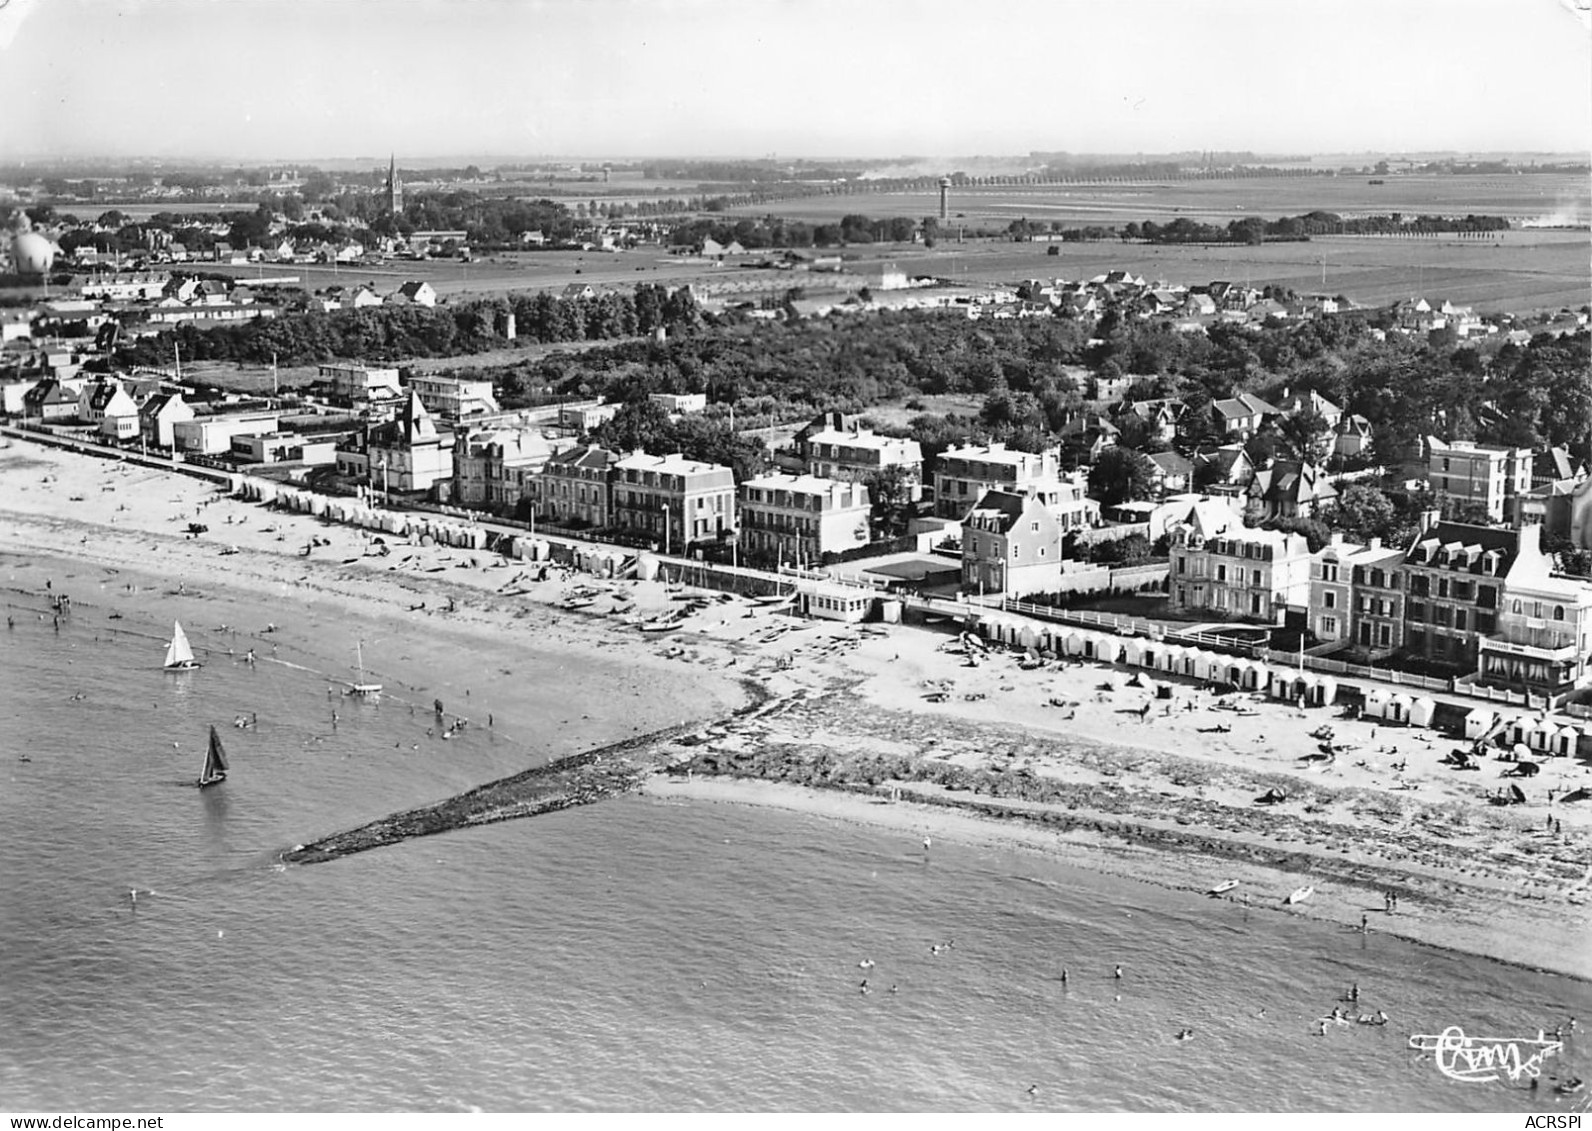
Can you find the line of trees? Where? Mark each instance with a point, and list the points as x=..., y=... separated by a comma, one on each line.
x=389, y=333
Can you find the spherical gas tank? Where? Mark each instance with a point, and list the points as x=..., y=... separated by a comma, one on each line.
x=31, y=253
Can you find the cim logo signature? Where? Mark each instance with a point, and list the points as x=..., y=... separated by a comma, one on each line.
x=1476, y=1060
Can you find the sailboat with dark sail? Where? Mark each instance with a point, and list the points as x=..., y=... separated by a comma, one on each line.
x=179, y=654
x=215, y=770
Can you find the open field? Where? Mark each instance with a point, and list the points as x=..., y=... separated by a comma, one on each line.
x=1518, y=198
x=1517, y=271
x=92, y=210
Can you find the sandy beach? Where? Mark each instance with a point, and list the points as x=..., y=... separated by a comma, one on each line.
x=888, y=724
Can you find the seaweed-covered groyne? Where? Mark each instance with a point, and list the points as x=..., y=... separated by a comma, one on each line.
x=579, y=779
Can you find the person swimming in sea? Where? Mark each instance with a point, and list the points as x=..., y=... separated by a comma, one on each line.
x=1118, y=973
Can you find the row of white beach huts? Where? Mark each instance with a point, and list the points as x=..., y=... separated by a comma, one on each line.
x=1536, y=732
x=1162, y=656
x=427, y=531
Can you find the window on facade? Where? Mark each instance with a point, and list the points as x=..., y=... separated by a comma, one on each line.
x=1459, y=619
x=1254, y=577
x=1442, y=586
x=1515, y=608
x=1034, y=526
x=1221, y=573
x=1017, y=551
x=1330, y=599
x=1558, y=612
x=1182, y=565
x=1329, y=626
x=1041, y=551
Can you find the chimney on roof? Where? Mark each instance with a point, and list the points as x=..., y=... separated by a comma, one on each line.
x=1429, y=519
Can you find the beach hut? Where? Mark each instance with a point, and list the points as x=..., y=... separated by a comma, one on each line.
x=1325, y=691
x=1398, y=709
x=1541, y=735
x=1171, y=659
x=1566, y=740
x=1515, y=729
x=1026, y=635
x=1072, y=644
x=1254, y=675
x=1376, y=700
x=1421, y=711
x=1132, y=652
x=646, y=567
x=1478, y=721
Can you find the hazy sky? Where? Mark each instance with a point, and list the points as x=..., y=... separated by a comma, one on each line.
x=256, y=79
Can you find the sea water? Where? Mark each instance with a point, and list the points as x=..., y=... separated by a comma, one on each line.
x=638, y=954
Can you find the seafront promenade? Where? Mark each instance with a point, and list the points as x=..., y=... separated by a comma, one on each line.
x=887, y=724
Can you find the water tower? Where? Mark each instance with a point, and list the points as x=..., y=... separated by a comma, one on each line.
x=945, y=197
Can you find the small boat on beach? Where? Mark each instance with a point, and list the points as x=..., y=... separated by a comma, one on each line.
x=660, y=627
x=179, y=654
x=1299, y=895
x=215, y=769
x=362, y=687
x=1224, y=886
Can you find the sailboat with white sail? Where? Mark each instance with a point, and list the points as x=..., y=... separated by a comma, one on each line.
x=179, y=655
x=215, y=770
x=362, y=687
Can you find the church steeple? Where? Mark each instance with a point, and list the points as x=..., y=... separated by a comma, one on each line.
x=395, y=188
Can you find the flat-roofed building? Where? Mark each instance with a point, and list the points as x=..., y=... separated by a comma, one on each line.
x=284, y=447
x=585, y=417
x=964, y=474
x=800, y=518
x=453, y=398
x=680, y=402
x=673, y=500
x=213, y=435
x=361, y=382
x=1483, y=476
